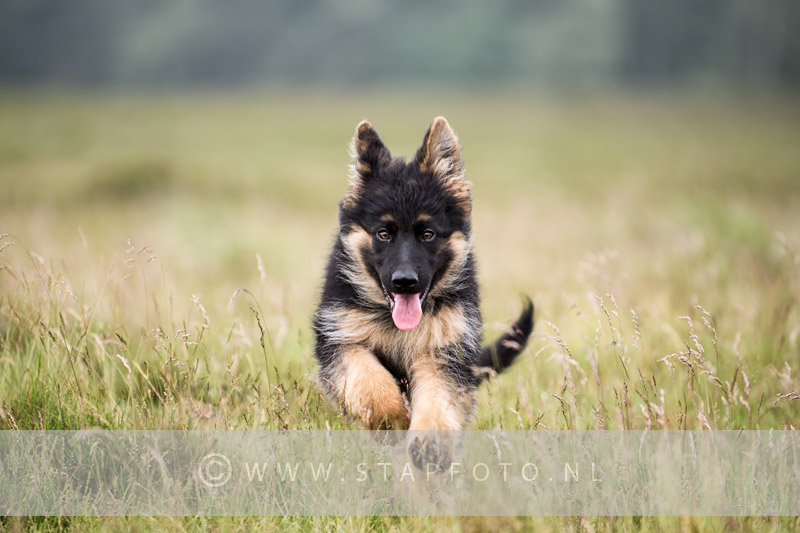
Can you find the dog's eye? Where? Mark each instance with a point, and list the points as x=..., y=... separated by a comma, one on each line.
x=384, y=235
x=428, y=235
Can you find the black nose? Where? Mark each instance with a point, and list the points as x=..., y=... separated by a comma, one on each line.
x=404, y=279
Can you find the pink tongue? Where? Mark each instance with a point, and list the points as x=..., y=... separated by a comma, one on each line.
x=407, y=311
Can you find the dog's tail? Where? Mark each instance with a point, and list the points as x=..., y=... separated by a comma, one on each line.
x=502, y=352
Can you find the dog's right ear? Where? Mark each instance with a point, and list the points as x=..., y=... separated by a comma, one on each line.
x=369, y=154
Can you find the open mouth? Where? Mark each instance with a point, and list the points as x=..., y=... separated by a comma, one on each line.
x=406, y=308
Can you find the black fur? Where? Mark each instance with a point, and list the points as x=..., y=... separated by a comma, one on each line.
x=502, y=352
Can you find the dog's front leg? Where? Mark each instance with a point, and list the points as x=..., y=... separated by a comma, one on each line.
x=438, y=406
x=436, y=401
x=368, y=391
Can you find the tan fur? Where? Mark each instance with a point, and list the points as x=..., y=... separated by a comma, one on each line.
x=369, y=392
x=460, y=246
x=367, y=328
x=438, y=405
x=367, y=287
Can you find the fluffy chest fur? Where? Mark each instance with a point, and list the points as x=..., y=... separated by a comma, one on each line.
x=448, y=330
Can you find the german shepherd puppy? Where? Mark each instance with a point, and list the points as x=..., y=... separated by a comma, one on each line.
x=398, y=330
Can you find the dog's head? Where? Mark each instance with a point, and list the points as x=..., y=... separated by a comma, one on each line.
x=406, y=226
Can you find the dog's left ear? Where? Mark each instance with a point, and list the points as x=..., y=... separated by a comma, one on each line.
x=440, y=155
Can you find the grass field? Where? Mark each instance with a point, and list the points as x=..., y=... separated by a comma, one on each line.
x=162, y=255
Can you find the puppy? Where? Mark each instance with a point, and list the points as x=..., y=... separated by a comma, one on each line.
x=398, y=328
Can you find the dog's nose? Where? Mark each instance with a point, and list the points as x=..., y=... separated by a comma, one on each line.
x=404, y=279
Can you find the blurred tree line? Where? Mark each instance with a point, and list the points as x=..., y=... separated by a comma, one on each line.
x=159, y=43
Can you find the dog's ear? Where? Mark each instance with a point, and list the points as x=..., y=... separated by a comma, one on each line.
x=440, y=156
x=368, y=151
x=369, y=154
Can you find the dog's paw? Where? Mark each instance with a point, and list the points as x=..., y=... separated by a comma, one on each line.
x=430, y=453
